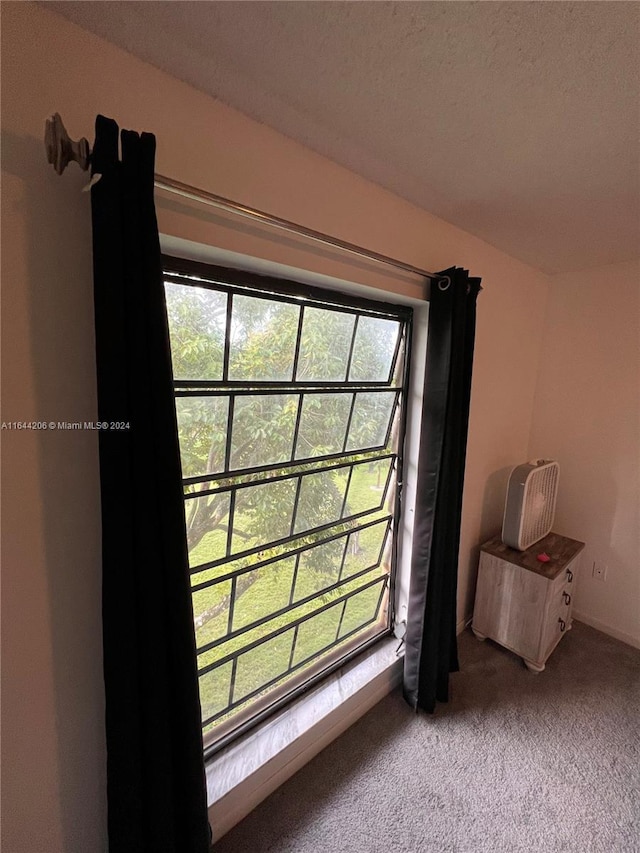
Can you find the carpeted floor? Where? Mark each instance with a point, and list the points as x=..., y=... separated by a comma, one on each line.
x=515, y=762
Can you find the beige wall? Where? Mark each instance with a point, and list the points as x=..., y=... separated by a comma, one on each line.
x=53, y=750
x=587, y=416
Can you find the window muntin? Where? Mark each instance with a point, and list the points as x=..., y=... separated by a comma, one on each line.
x=290, y=421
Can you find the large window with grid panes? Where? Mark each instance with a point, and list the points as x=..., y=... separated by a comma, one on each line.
x=290, y=405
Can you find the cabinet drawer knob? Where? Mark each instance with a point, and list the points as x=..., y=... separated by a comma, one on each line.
x=563, y=624
x=567, y=597
x=569, y=576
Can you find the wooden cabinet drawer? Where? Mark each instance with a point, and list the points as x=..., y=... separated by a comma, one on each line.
x=554, y=625
x=565, y=581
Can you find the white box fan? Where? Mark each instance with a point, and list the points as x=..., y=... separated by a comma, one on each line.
x=531, y=503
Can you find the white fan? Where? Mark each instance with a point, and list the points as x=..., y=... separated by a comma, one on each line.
x=531, y=503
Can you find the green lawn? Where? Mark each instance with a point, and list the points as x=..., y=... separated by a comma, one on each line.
x=269, y=590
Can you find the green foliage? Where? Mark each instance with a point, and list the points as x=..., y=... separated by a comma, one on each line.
x=324, y=346
x=263, y=426
x=262, y=347
x=263, y=336
x=196, y=326
x=373, y=349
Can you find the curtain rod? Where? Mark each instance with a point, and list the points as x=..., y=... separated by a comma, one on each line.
x=61, y=150
x=177, y=188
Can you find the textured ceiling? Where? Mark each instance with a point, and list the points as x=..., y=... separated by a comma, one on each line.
x=517, y=121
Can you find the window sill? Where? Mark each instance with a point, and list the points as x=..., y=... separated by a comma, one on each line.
x=245, y=773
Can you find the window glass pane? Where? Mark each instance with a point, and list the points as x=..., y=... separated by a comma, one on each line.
x=207, y=519
x=370, y=420
x=398, y=370
x=262, y=514
x=262, y=664
x=197, y=319
x=214, y=690
x=319, y=568
x=324, y=346
x=364, y=549
x=263, y=338
x=211, y=612
x=361, y=608
x=317, y=633
x=242, y=640
x=367, y=485
x=323, y=424
x=373, y=349
x=262, y=592
x=263, y=428
x=320, y=499
x=202, y=431
x=231, y=565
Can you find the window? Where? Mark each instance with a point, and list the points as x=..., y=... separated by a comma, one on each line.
x=290, y=409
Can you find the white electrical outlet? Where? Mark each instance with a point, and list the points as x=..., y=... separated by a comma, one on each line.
x=599, y=571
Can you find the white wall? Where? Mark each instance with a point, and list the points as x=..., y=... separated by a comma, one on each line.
x=53, y=748
x=587, y=416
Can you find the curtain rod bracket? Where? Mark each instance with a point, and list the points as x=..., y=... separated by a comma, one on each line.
x=61, y=149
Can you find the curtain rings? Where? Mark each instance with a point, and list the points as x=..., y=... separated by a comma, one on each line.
x=444, y=283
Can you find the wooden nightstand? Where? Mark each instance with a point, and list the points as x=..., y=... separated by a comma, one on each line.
x=523, y=604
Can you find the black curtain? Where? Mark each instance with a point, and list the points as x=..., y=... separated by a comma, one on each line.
x=155, y=771
x=430, y=639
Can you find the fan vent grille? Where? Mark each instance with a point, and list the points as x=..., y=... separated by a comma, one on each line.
x=539, y=504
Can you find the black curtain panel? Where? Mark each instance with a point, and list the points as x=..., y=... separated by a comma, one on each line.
x=155, y=772
x=430, y=639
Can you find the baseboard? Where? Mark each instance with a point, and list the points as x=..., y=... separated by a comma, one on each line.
x=463, y=623
x=629, y=639
x=241, y=800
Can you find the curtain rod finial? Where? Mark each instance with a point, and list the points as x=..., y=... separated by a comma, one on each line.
x=61, y=149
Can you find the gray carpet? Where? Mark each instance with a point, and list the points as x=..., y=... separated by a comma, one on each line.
x=515, y=762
